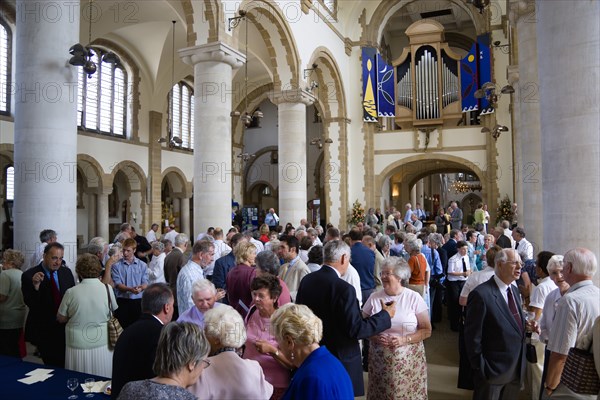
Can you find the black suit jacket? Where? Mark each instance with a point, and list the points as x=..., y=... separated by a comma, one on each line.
x=134, y=353
x=443, y=259
x=494, y=342
x=41, y=321
x=504, y=242
x=450, y=247
x=334, y=301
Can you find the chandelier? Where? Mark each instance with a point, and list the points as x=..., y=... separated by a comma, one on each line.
x=464, y=187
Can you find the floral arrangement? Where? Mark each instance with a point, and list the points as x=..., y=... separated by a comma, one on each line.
x=357, y=214
x=504, y=210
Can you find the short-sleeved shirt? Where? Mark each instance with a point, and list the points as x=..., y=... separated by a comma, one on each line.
x=541, y=291
x=13, y=310
x=575, y=316
x=131, y=275
x=408, y=304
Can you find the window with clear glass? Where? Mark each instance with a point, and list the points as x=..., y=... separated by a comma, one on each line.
x=102, y=98
x=10, y=183
x=181, y=114
x=330, y=6
x=5, y=59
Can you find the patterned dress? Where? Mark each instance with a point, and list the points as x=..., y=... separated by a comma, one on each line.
x=399, y=373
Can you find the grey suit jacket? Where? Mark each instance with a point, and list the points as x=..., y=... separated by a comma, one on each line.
x=495, y=344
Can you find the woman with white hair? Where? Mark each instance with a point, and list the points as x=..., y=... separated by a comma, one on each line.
x=156, y=268
x=420, y=270
x=230, y=376
x=555, y=269
x=397, y=364
x=204, y=296
x=319, y=375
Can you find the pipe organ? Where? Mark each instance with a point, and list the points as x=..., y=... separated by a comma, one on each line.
x=427, y=78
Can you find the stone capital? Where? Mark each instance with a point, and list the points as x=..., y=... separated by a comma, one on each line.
x=524, y=9
x=512, y=74
x=214, y=52
x=292, y=96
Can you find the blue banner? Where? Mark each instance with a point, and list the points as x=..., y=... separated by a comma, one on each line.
x=385, y=89
x=369, y=78
x=468, y=80
x=485, y=69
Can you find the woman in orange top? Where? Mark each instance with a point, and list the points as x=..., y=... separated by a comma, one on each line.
x=419, y=273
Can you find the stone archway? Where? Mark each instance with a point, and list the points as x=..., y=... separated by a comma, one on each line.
x=176, y=193
x=137, y=210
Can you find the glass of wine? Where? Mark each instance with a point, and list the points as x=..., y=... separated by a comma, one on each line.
x=72, y=384
x=89, y=384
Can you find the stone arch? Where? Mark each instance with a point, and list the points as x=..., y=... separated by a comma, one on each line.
x=205, y=29
x=92, y=172
x=255, y=97
x=374, y=28
x=178, y=181
x=135, y=175
x=414, y=168
x=277, y=35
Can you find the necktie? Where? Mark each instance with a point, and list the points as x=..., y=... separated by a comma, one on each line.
x=464, y=265
x=516, y=245
x=54, y=290
x=513, y=308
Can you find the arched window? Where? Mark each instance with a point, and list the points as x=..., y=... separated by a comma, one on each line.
x=5, y=61
x=102, y=98
x=10, y=183
x=181, y=114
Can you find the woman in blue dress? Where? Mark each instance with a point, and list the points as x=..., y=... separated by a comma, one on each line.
x=319, y=375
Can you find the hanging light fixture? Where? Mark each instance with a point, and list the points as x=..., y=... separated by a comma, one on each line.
x=319, y=143
x=488, y=92
x=246, y=117
x=173, y=141
x=82, y=56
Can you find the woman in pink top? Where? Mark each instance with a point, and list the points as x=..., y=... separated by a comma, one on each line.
x=261, y=345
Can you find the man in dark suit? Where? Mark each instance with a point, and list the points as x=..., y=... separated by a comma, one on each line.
x=501, y=239
x=43, y=288
x=450, y=245
x=334, y=302
x=224, y=264
x=135, y=350
x=363, y=259
x=174, y=261
x=495, y=332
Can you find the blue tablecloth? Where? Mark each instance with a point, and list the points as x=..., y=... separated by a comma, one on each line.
x=55, y=387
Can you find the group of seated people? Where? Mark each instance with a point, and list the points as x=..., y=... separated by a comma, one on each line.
x=244, y=324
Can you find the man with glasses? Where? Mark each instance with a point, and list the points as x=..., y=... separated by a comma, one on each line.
x=43, y=287
x=495, y=331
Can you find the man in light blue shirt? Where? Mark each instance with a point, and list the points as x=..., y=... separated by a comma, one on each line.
x=130, y=276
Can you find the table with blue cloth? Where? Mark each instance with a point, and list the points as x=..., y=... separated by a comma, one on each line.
x=55, y=387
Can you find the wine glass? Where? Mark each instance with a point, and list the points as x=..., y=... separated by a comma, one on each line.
x=89, y=384
x=72, y=384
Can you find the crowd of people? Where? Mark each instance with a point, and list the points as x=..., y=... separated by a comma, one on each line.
x=303, y=312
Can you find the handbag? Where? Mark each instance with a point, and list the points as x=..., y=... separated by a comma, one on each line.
x=579, y=373
x=114, y=326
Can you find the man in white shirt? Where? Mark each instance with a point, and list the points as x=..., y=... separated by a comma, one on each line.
x=271, y=219
x=171, y=234
x=151, y=235
x=221, y=249
x=459, y=269
x=522, y=245
x=203, y=254
x=478, y=277
x=47, y=236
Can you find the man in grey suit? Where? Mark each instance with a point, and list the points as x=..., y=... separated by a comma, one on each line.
x=456, y=217
x=495, y=332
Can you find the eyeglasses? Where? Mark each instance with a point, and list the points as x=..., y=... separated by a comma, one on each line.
x=205, y=361
x=386, y=273
x=514, y=263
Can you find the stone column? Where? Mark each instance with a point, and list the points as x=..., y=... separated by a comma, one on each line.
x=155, y=168
x=413, y=196
x=213, y=167
x=513, y=80
x=292, y=153
x=569, y=52
x=529, y=144
x=185, y=217
x=45, y=129
x=420, y=198
x=91, y=212
x=102, y=215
